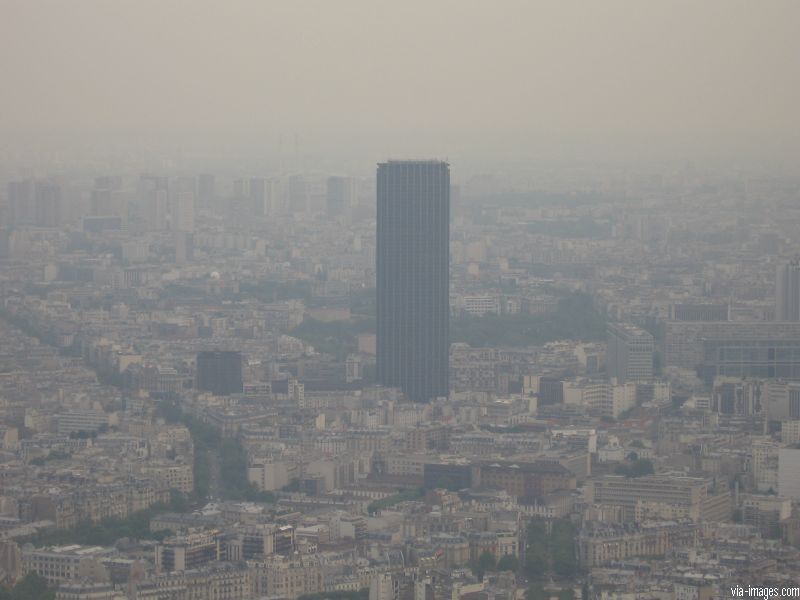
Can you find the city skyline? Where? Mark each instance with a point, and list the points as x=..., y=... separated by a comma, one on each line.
x=369, y=300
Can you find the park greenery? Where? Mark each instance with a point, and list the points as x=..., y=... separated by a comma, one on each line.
x=508, y=562
x=337, y=338
x=53, y=455
x=550, y=551
x=204, y=437
x=233, y=475
x=273, y=291
x=638, y=467
x=401, y=496
x=30, y=587
x=575, y=318
x=486, y=562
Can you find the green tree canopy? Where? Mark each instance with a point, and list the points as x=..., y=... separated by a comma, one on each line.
x=30, y=587
x=508, y=562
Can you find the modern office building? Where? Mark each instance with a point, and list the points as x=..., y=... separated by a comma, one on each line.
x=787, y=291
x=736, y=348
x=73, y=421
x=630, y=353
x=764, y=357
x=58, y=564
x=413, y=276
x=789, y=473
x=699, y=312
x=219, y=372
x=734, y=396
x=451, y=475
x=692, y=497
x=263, y=539
x=526, y=481
x=765, y=512
x=190, y=551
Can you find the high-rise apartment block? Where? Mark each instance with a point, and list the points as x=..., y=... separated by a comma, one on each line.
x=413, y=276
x=630, y=353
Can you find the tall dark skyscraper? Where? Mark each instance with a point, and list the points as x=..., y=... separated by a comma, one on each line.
x=413, y=277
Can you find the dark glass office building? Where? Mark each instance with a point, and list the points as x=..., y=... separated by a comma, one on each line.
x=219, y=372
x=413, y=277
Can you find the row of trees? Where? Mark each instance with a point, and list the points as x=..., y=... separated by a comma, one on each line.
x=53, y=455
x=575, y=318
x=401, y=496
x=233, y=475
x=638, y=467
x=204, y=437
x=337, y=338
x=232, y=459
x=551, y=551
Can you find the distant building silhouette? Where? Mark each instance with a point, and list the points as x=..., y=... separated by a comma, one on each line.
x=153, y=191
x=413, y=277
x=340, y=196
x=206, y=190
x=787, y=291
x=33, y=203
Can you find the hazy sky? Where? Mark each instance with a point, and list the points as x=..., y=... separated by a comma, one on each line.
x=437, y=76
